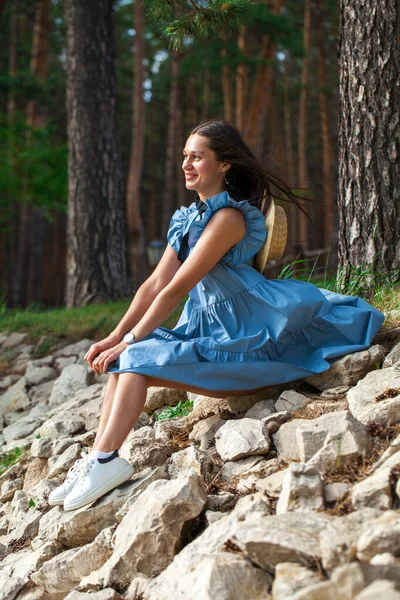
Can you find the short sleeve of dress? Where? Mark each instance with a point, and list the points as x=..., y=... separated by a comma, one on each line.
x=177, y=225
x=254, y=237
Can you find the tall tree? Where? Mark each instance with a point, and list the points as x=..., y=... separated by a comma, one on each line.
x=136, y=241
x=302, y=123
x=96, y=260
x=369, y=133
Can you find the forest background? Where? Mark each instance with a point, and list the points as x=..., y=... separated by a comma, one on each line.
x=276, y=78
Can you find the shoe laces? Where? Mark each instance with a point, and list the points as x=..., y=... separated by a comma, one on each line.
x=85, y=464
x=73, y=470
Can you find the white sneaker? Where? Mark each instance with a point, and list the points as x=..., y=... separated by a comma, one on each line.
x=58, y=495
x=96, y=479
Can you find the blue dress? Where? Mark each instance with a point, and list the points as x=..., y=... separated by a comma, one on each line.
x=241, y=331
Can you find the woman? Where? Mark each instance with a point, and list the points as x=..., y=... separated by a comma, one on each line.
x=238, y=331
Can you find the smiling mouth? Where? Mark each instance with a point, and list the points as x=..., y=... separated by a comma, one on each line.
x=189, y=176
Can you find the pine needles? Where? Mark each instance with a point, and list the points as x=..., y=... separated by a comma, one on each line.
x=185, y=21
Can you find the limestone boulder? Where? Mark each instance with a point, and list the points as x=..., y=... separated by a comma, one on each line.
x=37, y=373
x=150, y=534
x=243, y=437
x=380, y=536
x=291, y=401
x=393, y=357
x=261, y=409
x=338, y=540
x=15, y=398
x=65, y=570
x=349, y=369
x=372, y=399
x=301, y=439
x=376, y=491
x=189, y=460
x=72, y=379
x=22, y=428
x=203, y=432
x=302, y=490
x=290, y=578
x=158, y=397
x=222, y=576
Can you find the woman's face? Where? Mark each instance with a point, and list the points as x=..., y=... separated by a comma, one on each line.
x=203, y=172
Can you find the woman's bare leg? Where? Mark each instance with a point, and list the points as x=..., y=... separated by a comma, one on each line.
x=127, y=404
x=106, y=405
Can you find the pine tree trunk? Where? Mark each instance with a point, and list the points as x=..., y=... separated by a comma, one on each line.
x=169, y=203
x=226, y=86
x=11, y=237
x=369, y=133
x=328, y=184
x=241, y=82
x=289, y=158
x=96, y=248
x=36, y=118
x=136, y=241
x=302, y=125
x=179, y=145
x=206, y=94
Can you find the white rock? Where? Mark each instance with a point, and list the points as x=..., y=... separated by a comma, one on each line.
x=362, y=398
x=334, y=491
x=9, y=488
x=272, y=484
x=56, y=426
x=393, y=357
x=15, y=398
x=14, y=339
x=17, y=566
x=235, y=468
x=159, y=396
x=77, y=349
x=302, y=490
x=224, y=576
x=380, y=536
x=379, y=589
x=267, y=540
x=23, y=428
x=64, y=571
x=348, y=369
x=290, y=578
x=203, y=432
x=301, y=439
x=188, y=461
x=65, y=460
x=261, y=409
x=291, y=401
x=140, y=482
x=346, y=582
x=338, y=539
x=150, y=533
x=36, y=375
x=375, y=491
x=106, y=594
x=240, y=438
x=72, y=379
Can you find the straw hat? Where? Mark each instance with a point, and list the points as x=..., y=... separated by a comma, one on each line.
x=274, y=246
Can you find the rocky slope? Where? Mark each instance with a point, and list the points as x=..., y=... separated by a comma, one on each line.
x=290, y=494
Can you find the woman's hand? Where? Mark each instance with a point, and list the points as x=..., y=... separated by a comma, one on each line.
x=101, y=362
x=99, y=347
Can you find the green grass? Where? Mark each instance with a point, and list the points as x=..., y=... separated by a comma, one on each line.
x=95, y=322
x=10, y=458
x=180, y=410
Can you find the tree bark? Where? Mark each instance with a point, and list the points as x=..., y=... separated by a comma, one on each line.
x=369, y=134
x=241, y=82
x=136, y=240
x=36, y=117
x=226, y=86
x=302, y=126
x=289, y=157
x=96, y=249
x=169, y=203
x=328, y=205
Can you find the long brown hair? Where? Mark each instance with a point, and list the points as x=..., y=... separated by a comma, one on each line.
x=247, y=178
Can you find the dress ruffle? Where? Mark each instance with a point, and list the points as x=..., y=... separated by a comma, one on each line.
x=177, y=225
x=254, y=237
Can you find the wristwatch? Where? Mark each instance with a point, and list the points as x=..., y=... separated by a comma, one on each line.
x=129, y=338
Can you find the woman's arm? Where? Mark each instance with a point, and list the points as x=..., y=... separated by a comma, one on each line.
x=148, y=291
x=225, y=229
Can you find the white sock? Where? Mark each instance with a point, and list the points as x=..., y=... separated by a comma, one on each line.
x=100, y=454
